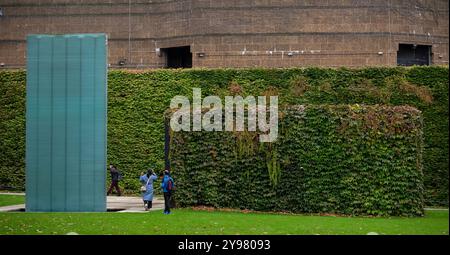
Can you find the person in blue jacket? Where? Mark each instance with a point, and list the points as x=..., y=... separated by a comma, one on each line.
x=167, y=186
x=147, y=196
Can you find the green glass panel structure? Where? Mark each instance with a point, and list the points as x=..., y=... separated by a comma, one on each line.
x=66, y=116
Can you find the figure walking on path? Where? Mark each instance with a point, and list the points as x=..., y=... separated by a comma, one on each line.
x=167, y=185
x=115, y=178
x=147, y=190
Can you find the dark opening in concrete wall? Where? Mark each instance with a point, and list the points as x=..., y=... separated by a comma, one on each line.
x=178, y=57
x=413, y=54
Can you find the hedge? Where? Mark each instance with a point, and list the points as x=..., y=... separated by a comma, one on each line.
x=345, y=159
x=137, y=101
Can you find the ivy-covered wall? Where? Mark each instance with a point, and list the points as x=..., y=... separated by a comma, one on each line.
x=346, y=159
x=137, y=101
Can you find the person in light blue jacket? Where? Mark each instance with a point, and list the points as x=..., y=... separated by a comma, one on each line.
x=147, y=195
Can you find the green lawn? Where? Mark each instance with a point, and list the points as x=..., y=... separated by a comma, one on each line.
x=187, y=221
x=11, y=199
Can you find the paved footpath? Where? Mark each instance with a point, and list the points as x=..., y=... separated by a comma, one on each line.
x=131, y=204
x=113, y=203
x=126, y=204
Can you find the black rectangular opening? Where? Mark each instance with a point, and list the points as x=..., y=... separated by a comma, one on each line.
x=178, y=57
x=413, y=54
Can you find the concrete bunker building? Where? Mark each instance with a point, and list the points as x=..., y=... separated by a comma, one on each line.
x=238, y=33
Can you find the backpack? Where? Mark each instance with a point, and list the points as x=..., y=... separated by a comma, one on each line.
x=170, y=186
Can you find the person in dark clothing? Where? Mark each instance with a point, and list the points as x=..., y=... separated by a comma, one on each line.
x=167, y=185
x=115, y=178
